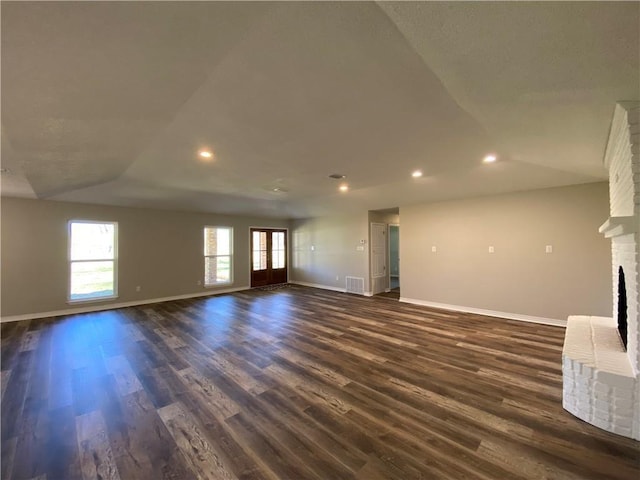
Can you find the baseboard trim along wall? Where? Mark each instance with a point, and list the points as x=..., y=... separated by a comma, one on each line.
x=488, y=313
x=327, y=287
x=113, y=306
x=317, y=285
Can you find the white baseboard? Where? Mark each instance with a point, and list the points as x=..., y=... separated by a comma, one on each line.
x=327, y=287
x=488, y=313
x=317, y=285
x=113, y=306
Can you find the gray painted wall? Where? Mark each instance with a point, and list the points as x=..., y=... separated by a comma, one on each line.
x=159, y=250
x=335, y=242
x=162, y=252
x=519, y=277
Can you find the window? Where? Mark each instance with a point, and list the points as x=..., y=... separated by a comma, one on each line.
x=277, y=250
x=92, y=260
x=259, y=250
x=217, y=255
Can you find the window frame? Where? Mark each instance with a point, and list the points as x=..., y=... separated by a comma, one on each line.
x=205, y=256
x=70, y=262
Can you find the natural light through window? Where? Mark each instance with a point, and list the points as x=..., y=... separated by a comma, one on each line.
x=92, y=260
x=278, y=250
x=217, y=255
x=259, y=251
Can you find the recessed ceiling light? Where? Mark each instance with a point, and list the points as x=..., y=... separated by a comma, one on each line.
x=205, y=154
x=344, y=187
x=417, y=174
x=490, y=158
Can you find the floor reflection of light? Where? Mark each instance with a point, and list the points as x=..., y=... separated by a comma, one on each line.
x=218, y=318
x=274, y=310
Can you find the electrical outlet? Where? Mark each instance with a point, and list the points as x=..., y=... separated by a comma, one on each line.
x=434, y=249
x=548, y=249
x=337, y=278
x=491, y=249
x=199, y=282
x=138, y=288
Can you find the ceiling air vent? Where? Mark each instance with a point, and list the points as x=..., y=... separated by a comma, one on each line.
x=337, y=176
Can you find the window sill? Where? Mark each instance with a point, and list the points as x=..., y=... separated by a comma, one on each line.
x=91, y=300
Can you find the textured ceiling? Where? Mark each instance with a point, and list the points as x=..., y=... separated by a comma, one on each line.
x=109, y=102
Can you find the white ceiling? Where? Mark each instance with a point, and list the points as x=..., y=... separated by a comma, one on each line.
x=109, y=102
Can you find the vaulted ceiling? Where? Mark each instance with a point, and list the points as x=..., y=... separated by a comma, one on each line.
x=109, y=102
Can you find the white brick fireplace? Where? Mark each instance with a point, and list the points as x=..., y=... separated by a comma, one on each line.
x=601, y=381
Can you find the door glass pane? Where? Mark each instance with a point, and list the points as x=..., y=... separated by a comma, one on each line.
x=278, y=252
x=259, y=260
x=278, y=259
x=259, y=252
x=256, y=261
x=278, y=240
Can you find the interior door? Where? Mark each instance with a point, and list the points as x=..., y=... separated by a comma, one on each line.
x=378, y=258
x=268, y=256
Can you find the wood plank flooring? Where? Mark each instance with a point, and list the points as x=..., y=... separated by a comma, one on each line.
x=295, y=383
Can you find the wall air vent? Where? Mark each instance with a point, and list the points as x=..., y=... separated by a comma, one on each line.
x=355, y=285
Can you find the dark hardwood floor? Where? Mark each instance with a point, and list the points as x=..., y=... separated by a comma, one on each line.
x=295, y=383
x=394, y=294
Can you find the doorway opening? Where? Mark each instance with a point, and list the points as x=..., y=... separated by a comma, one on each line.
x=268, y=257
x=384, y=240
x=394, y=259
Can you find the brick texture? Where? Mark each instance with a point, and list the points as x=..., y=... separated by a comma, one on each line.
x=601, y=381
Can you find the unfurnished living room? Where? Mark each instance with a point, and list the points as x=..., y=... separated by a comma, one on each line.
x=320, y=240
